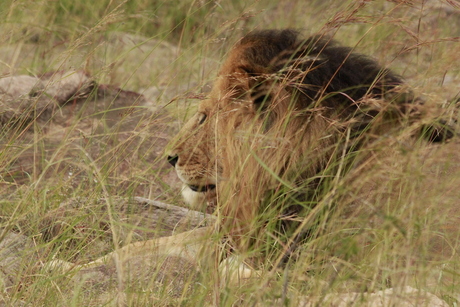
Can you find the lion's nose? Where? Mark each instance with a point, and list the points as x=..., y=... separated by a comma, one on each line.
x=173, y=160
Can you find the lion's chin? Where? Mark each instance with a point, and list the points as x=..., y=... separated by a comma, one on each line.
x=198, y=197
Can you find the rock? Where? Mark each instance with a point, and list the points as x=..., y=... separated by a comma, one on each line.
x=20, y=86
x=65, y=85
x=21, y=100
x=24, y=98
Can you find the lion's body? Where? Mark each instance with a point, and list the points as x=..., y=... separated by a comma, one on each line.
x=282, y=114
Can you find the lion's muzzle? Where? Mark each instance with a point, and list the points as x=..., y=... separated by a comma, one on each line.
x=173, y=159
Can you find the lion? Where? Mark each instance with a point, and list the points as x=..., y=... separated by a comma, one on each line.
x=286, y=117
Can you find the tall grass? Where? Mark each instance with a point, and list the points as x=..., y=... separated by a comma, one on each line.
x=397, y=219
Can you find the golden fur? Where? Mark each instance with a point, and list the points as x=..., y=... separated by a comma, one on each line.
x=281, y=117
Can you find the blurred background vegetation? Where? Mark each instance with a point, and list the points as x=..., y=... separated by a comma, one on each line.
x=405, y=35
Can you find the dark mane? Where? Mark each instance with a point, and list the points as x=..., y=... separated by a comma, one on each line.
x=328, y=69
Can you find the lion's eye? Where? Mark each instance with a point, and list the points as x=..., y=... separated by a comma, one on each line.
x=201, y=118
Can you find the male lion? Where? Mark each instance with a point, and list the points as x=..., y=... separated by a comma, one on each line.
x=285, y=118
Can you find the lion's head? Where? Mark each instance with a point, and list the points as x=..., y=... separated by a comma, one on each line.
x=281, y=111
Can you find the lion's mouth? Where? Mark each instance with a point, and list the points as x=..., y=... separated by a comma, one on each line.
x=202, y=188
